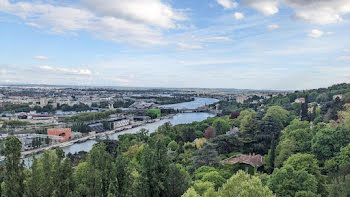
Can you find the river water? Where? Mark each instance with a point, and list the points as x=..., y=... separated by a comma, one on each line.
x=182, y=118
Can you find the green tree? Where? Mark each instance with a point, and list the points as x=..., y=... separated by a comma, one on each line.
x=178, y=180
x=210, y=193
x=206, y=156
x=100, y=163
x=344, y=155
x=287, y=181
x=221, y=126
x=308, y=163
x=296, y=138
x=82, y=177
x=227, y=144
x=14, y=170
x=328, y=141
x=191, y=193
x=284, y=149
x=154, y=166
x=279, y=114
x=243, y=185
x=94, y=177
x=173, y=146
x=304, y=115
x=214, y=177
x=202, y=186
x=123, y=174
x=248, y=123
x=200, y=172
x=63, y=175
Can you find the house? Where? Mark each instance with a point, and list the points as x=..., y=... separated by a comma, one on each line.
x=232, y=131
x=300, y=100
x=119, y=122
x=255, y=161
x=22, y=116
x=340, y=96
x=241, y=99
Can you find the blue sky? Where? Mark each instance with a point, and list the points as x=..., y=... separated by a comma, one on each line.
x=256, y=44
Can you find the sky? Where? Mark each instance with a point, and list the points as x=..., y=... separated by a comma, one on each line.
x=244, y=44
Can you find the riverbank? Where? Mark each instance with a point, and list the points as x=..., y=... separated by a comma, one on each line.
x=93, y=136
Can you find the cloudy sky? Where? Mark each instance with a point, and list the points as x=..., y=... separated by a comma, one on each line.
x=257, y=44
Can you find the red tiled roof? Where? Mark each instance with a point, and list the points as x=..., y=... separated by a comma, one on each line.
x=253, y=160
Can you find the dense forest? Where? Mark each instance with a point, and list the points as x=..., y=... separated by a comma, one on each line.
x=306, y=149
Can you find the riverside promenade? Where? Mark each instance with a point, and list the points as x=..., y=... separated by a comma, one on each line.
x=25, y=154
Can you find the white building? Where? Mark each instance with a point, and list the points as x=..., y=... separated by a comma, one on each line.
x=241, y=99
x=120, y=123
x=43, y=102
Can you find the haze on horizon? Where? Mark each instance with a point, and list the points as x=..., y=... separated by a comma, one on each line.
x=243, y=44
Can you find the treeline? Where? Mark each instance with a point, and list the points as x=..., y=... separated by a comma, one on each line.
x=92, y=116
x=14, y=123
x=16, y=108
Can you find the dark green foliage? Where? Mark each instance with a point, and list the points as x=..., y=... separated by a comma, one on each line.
x=14, y=170
x=206, y=156
x=328, y=141
x=79, y=127
x=93, y=116
x=178, y=180
x=78, y=108
x=9, y=107
x=227, y=144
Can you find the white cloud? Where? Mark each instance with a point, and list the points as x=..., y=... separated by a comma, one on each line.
x=239, y=15
x=267, y=7
x=185, y=46
x=138, y=25
x=66, y=70
x=41, y=57
x=217, y=38
x=273, y=26
x=152, y=12
x=316, y=11
x=343, y=58
x=227, y=4
x=315, y=33
x=320, y=11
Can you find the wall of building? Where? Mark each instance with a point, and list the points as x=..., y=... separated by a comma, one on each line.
x=121, y=123
x=66, y=133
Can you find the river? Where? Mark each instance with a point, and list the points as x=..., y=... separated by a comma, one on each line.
x=182, y=118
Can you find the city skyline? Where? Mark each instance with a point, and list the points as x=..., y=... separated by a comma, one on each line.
x=247, y=44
